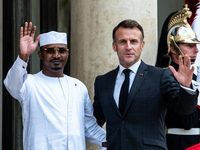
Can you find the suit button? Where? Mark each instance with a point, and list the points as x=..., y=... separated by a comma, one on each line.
x=123, y=122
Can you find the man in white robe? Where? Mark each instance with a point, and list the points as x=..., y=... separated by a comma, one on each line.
x=56, y=109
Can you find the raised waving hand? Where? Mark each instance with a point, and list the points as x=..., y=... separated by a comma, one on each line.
x=27, y=43
x=185, y=71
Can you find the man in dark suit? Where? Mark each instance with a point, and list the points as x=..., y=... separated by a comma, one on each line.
x=138, y=121
x=183, y=130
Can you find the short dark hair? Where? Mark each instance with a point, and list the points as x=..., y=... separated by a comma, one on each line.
x=128, y=24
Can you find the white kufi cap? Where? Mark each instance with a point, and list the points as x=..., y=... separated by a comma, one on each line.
x=53, y=37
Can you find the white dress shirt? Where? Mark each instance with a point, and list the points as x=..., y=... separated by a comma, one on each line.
x=120, y=79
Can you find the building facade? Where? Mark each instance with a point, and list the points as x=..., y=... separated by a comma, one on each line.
x=89, y=25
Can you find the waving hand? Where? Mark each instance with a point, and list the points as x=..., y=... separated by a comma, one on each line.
x=27, y=44
x=185, y=72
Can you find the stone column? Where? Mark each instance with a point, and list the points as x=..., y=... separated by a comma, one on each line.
x=92, y=22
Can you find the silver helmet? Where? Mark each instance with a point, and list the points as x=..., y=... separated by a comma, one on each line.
x=179, y=30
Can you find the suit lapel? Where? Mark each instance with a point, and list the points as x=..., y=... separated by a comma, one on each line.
x=141, y=74
x=110, y=91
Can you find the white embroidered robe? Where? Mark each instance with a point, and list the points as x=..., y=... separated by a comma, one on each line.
x=57, y=112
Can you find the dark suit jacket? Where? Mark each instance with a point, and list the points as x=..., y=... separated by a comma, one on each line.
x=142, y=125
x=184, y=121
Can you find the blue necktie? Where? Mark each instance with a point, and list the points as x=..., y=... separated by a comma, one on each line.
x=124, y=91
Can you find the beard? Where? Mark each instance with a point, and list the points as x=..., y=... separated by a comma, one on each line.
x=56, y=62
x=56, y=68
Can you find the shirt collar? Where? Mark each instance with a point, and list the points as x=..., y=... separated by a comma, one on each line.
x=133, y=68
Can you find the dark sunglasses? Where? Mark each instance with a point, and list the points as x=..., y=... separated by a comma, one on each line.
x=53, y=50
